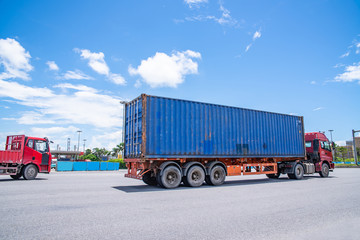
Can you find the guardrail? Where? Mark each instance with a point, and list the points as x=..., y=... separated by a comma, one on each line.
x=86, y=166
x=344, y=162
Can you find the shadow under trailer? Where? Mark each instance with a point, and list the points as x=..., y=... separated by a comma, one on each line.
x=169, y=141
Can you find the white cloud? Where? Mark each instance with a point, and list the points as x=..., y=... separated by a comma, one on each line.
x=352, y=73
x=312, y=82
x=52, y=66
x=341, y=143
x=109, y=139
x=345, y=54
x=75, y=87
x=117, y=79
x=318, y=108
x=97, y=62
x=77, y=74
x=15, y=60
x=194, y=3
x=83, y=105
x=52, y=132
x=256, y=35
x=30, y=118
x=21, y=92
x=357, y=48
x=137, y=83
x=163, y=70
x=224, y=19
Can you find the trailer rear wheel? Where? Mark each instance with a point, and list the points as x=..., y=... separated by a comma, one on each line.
x=16, y=177
x=217, y=176
x=324, y=170
x=30, y=172
x=195, y=177
x=171, y=177
x=148, y=179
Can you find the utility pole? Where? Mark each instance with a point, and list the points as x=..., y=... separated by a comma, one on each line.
x=78, y=148
x=332, y=144
x=123, y=128
x=354, y=146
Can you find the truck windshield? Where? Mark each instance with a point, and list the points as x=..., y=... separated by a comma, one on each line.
x=308, y=144
x=41, y=146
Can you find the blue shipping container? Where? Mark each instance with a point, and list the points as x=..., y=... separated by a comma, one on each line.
x=158, y=127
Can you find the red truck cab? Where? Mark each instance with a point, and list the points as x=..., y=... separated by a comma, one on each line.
x=25, y=156
x=319, y=151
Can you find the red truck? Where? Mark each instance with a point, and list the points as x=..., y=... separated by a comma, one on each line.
x=25, y=156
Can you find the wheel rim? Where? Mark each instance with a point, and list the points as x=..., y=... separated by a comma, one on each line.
x=195, y=176
x=31, y=172
x=171, y=178
x=217, y=175
x=325, y=169
x=298, y=171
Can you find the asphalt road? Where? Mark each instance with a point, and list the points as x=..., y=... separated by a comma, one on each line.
x=105, y=205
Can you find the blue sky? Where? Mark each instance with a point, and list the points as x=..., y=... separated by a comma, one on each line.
x=65, y=65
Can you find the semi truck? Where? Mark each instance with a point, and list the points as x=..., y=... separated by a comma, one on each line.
x=25, y=156
x=172, y=141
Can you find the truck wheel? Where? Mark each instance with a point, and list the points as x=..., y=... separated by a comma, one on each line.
x=324, y=170
x=30, y=172
x=298, y=172
x=195, y=177
x=148, y=179
x=217, y=176
x=171, y=177
x=273, y=175
x=17, y=176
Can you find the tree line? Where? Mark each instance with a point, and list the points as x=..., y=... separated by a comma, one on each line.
x=96, y=154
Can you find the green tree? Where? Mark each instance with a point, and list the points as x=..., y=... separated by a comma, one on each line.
x=343, y=151
x=116, y=150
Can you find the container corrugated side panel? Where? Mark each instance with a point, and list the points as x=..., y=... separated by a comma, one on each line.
x=133, y=128
x=179, y=128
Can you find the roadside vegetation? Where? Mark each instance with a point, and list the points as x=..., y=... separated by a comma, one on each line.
x=102, y=154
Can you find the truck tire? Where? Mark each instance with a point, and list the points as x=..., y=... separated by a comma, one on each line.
x=324, y=170
x=17, y=176
x=148, y=179
x=298, y=172
x=217, y=176
x=195, y=176
x=275, y=176
x=171, y=177
x=30, y=172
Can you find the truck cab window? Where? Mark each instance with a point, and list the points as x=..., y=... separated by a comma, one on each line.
x=41, y=146
x=325, y=146
x=308, y=144
x=30, y=143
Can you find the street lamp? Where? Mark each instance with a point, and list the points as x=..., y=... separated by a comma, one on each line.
x=354, y=146
x=84, y=145
x=331, y=135
x=123, y=128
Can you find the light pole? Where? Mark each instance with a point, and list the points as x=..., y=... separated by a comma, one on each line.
x=354, y=146
x=123, y=128
x=84, y=145
x=332, y=144
x=78, y=148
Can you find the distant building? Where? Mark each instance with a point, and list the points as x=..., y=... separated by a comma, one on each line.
x=349, y=146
